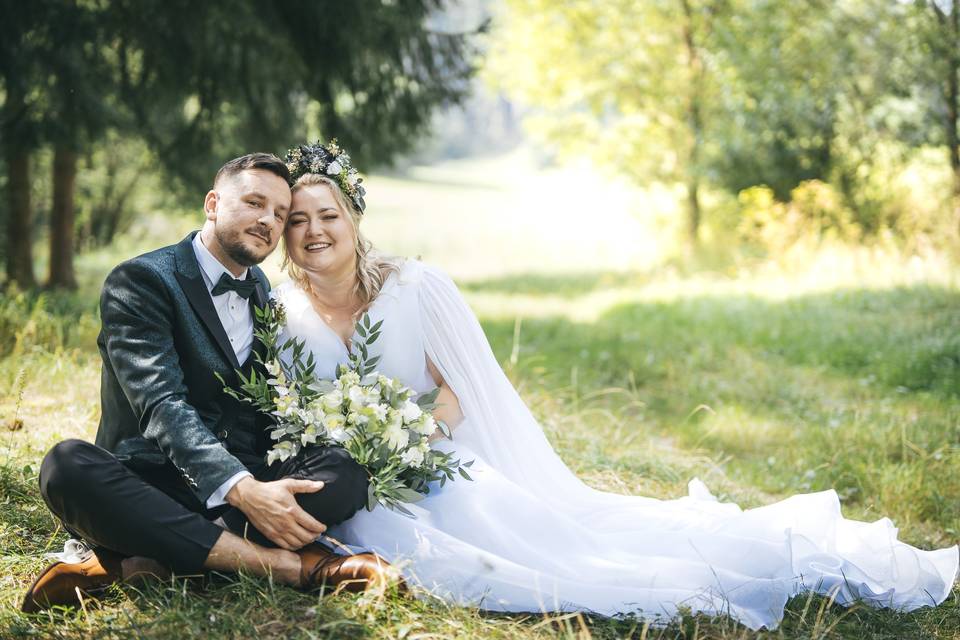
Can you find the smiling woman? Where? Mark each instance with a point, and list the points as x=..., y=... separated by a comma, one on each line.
x=319, y=235
x=326, y=254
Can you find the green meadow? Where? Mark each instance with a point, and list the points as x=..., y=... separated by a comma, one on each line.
x=827, y=367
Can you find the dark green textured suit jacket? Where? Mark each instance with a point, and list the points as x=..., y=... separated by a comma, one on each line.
x=161, y=343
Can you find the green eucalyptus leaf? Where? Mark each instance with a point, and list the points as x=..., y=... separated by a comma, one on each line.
x=409, y=495
x=428, y=398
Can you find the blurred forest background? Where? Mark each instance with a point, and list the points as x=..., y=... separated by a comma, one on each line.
x=714, y=238
x=767, y=121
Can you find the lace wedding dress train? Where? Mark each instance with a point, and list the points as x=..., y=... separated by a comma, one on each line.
x=527, y=535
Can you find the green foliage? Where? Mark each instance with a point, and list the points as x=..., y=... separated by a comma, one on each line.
x=38, y=322
x=729, y=95
x=622, y=93
x=118, y=180
x=815, y=210
x=210, y=81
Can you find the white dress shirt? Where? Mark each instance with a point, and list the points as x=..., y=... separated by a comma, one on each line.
x=237, y=320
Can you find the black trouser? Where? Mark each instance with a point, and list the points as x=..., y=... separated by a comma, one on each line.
x=151, y=512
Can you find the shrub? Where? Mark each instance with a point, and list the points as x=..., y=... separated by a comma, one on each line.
x=822, y=211
x=30, y=320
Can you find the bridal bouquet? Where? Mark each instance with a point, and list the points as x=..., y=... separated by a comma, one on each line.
x=379, y=422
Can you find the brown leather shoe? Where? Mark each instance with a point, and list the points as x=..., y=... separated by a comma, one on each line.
x=320, y=568
x=62, y=583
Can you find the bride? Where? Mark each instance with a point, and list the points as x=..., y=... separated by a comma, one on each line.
x=526, y=534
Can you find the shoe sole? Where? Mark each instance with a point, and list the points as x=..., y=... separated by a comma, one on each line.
x=30, y=604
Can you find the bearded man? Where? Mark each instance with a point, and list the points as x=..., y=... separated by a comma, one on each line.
x=177, y=479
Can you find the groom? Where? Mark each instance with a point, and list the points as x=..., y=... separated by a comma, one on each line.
x=177, y=474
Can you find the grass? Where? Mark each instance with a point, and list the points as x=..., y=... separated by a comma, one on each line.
x=839, y=370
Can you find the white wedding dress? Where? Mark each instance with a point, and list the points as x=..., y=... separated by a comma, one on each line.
x=528, y=535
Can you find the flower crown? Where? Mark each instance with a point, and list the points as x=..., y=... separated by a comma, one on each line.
x=330, y=161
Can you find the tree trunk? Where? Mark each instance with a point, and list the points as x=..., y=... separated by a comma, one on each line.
x=953, y=102
x=693, y=210
x=19, y=222
x=694, y=121
x=62, y=219
x=953, y=141
x=953, y=98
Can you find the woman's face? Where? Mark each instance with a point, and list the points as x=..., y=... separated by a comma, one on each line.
x=319, y=236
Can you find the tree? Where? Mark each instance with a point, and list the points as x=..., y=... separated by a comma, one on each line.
x=939, y=31
x=18, y=133
x=210, y=80
x=79, y=109
x=804, y=83
x=56, y=91
x=711, y=93
x=632, y=83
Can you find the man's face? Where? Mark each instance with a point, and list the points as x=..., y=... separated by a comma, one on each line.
x=248, y=211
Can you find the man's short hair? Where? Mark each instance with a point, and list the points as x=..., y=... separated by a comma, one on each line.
x=265, y=161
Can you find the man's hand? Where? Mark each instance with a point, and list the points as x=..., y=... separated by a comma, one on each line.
x=273, y=510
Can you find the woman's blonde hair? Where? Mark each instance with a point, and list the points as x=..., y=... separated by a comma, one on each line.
x=372, y=267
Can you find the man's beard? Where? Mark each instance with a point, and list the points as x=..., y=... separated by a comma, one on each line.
x=232, y=244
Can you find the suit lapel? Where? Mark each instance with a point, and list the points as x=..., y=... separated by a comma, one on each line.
x=191, y=281
x=259, y=296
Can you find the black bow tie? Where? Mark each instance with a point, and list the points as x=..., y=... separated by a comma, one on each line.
x=244, y=288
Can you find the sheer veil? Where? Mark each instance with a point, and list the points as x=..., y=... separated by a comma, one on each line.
x=497, y=423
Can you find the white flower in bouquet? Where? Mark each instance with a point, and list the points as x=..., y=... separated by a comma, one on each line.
x=379, y=411
x=360, y=398
x=333, y=421
x=425, y=426
x=371, y=396
x=332, y=400
x=309, y=435
x=281, y=451
x=413, y=457
x=355, y=394
x=410, y=411
x=340, y=435
x=274, y=369
x=394, y=434
x=286, y=402
x=355, y=417
x=334, y=168
x=349, y=378
x=389, y=384
x=314, y=413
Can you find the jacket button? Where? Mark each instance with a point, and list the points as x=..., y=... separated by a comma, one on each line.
x=223, y=435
